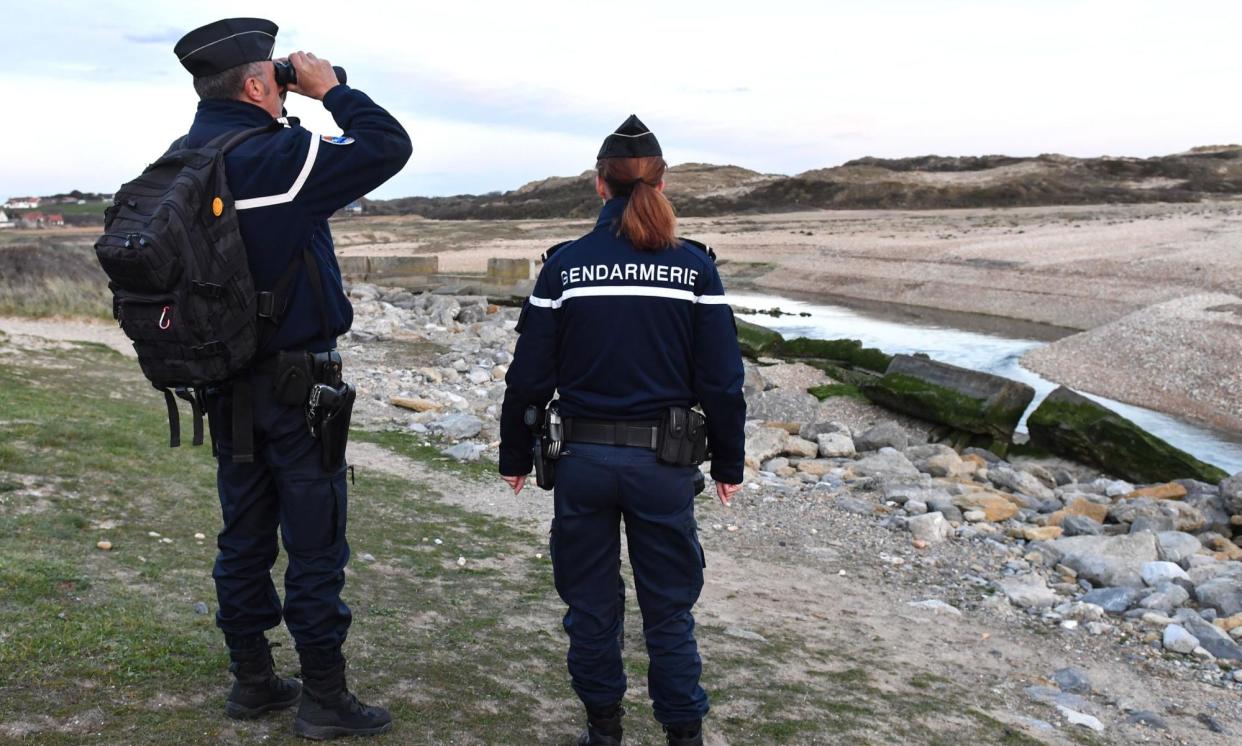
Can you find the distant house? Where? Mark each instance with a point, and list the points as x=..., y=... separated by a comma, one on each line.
x=6, y=221
x=353, y=208
x=31, y=220
x=55, y=220
x=22, y=203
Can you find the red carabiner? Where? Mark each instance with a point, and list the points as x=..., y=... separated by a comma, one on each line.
x=166, y=318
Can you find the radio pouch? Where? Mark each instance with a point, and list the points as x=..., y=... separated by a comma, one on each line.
x=682, y=440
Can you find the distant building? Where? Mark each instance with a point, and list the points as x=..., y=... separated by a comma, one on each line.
x=54, y=220
x=22, y=203
x=353, y=208
x=6, y=221
x=31, y=220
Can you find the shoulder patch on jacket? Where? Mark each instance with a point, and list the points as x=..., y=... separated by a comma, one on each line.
x=701, y=246
x=548, y=254
x=338, y=140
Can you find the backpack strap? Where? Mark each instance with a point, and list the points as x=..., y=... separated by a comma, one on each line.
x=230, y=140
x=243, y=422
x=174, y=419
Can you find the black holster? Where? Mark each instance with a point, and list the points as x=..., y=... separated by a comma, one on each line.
x=334, y=429
x=545, y=426
x=682, y=438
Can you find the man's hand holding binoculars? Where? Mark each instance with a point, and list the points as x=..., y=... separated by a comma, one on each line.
x=313, y=77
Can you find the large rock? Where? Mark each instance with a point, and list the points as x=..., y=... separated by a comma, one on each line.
x=1116, y=601
x=459, y=426
x=835, y=445
x=1222, y=593
x=1177, y=546
x=1106, y=560
x=1019, y=481
x=1028, y=591
x=931, y=528
x=886, y=465
x=756, y=341
x=764, y=444
x=1071, y=425
x=961, y=398
x=1178, y=640
x=1211, y=638
x=1231, y=491
x=996, y=507
x=779, y=405
x=1156, y=574
x=884, y=435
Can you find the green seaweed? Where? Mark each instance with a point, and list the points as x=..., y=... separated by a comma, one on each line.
x=1073, y=426
x=935, y=403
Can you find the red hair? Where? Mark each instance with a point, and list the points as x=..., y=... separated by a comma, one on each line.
x=649, y=221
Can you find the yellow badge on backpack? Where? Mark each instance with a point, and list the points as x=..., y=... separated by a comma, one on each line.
x=217, y=207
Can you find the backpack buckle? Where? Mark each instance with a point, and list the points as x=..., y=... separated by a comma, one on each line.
x=208, y=349
x=267, y=305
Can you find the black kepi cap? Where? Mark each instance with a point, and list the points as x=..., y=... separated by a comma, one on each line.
x=631, y=140
x=227, y=43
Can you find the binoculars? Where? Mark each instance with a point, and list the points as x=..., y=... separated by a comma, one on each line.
x=286, y=75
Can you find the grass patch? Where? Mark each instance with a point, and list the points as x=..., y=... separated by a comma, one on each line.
x=830, y=390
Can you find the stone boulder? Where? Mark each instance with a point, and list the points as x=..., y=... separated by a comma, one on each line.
x=1028, y=591
x=764, y=444
x=1106, y=560
x=835, y=445
x=930, y=527
x=1071, y=425
x=1222, y=593
x=1231, y=492
x=958, y=397
x=884, y=435
x=886, y=465
x=1019, y=481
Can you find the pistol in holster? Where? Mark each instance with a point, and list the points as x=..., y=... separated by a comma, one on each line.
x=549, y=435
x=314, y=380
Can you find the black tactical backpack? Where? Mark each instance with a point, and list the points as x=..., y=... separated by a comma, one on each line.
x=182, y=289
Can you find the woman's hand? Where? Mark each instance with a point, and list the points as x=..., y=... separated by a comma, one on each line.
x=723, y=491
x=516, y=483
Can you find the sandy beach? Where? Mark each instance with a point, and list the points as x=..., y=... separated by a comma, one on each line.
x=1044, y=272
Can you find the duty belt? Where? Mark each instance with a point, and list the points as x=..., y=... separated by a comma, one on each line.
x=633, y=433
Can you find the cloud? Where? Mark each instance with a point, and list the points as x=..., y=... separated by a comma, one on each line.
x=167, y=36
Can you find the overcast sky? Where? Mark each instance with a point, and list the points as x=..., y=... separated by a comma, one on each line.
x=496, y=94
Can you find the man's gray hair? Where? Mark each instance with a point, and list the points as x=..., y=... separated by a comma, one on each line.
x=229, y=83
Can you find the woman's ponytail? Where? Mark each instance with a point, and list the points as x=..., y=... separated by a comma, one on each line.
x=649, y=221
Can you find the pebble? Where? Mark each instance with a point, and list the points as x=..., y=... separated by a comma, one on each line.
x=153, y=534
x=104, y=545
x=1073, y=717
x=200, y=608
x=935, y=605
x=461, y=561
x=166, y=540
x=731, y=527
x=200, y=536
x=366, y=557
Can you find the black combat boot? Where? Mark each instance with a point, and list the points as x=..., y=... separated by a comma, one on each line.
x=256, y=687
x=328, y=709
x=603, y=726
x=685, y=734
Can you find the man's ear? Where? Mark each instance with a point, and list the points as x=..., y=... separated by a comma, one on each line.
x=600, y=187
x=254, y=90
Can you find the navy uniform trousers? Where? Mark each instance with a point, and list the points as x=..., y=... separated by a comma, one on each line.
x=285, y=487
x=596, y=486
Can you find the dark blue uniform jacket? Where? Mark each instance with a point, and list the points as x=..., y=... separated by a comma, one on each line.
x=622, y=334
x=286, y=186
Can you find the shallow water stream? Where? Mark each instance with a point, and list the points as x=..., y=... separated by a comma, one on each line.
x=988, y=352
